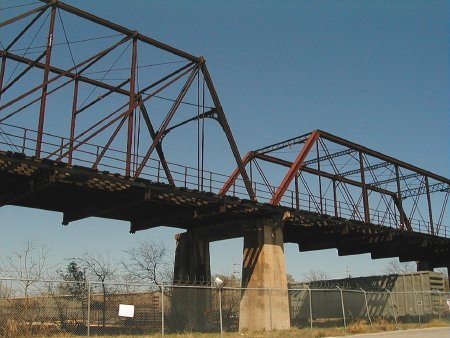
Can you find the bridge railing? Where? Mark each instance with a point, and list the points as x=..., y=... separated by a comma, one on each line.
x=23, y=140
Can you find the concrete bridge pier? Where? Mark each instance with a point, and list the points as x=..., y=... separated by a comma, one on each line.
x=424, y=266
x=191, y=259
x=264, y=267
x=192, y=267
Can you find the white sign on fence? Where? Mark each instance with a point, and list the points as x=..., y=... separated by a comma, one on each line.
x=126, y=310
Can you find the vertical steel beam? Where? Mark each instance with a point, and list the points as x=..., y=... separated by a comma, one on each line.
x=399, y=197
x=430, y=211
x=131, y=107
x=295, y=167
x=319, y=177
x=297, y=193
x=73, y=120
x=48, y=58
x=365, y=195
x=335, y=199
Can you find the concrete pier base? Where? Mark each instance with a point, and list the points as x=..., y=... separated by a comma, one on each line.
x=192, y=267
x=264, y=267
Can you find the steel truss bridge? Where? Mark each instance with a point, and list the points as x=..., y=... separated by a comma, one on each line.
x=88, y=125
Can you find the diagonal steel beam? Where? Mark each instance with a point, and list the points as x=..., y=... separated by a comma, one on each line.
x=210, y=113
x=101, y=97
x=22, y=73
x=295, y=167
x=233, y=177
x=137, y=104
x=167, y=120
x=91, y=59
x=159, y=149
x=226, y=128
x=313, y=171
x=24, y=15
x=17, y=38
x=60, y=71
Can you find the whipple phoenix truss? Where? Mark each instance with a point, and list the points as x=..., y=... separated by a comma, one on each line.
x=73, y=74
x=77, y=89
x=332, y=176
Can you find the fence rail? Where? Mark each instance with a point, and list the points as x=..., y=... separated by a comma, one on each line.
x=55, y=307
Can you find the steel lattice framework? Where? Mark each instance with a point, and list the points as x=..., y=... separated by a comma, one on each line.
x=333, y=176
x=56, y=80
x=28, y=83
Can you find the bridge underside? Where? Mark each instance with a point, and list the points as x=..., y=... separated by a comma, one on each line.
x=80, y=192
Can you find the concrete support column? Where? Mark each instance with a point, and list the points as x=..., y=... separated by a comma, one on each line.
x=264, y=267
x=424, y=266
x=191, y=259
x=192, y=267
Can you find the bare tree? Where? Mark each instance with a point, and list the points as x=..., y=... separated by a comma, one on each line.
x=395, y=267
x=28, y=264
x=148, y=263
x=315, y=275
x=102, y=269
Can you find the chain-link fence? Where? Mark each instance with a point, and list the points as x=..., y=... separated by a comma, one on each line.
x=45, y=308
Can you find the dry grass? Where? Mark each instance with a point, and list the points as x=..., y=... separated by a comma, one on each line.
x=358, y=326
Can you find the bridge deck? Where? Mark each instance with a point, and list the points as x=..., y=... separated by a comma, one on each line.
x=80, y=192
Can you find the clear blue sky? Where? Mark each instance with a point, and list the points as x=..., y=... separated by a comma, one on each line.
x=374, y=72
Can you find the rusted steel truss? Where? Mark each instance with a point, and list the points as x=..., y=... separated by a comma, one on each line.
x=330, y=175
x=41, y=62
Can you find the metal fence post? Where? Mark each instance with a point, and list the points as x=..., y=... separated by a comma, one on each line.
x=419, y=305
x=162, y=310
x=343, y=308
x=367, y=307
x=89, y=309
x=270, y=308
x=440, y=302
x=393, y=309
x=310, y=308
x=220, y=312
